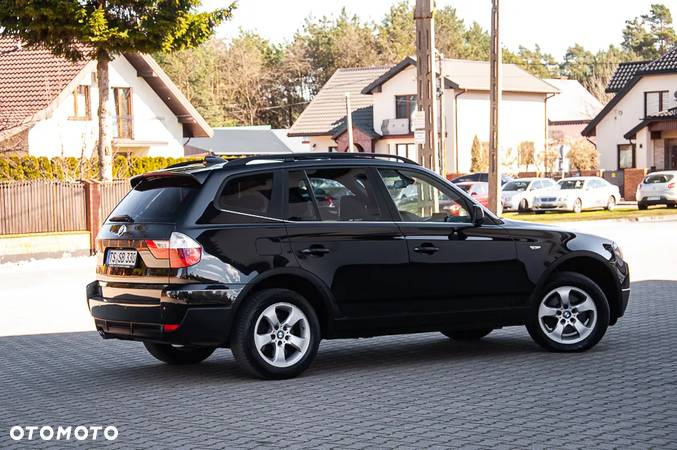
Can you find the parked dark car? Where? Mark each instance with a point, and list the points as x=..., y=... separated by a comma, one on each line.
x=480, y=177
x=241, y=254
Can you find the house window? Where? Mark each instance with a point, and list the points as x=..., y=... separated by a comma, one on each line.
x=626, y=156
x=407, y=150
x=123, y=112
x=405, y=105
x=655, y=102
x=81, y=104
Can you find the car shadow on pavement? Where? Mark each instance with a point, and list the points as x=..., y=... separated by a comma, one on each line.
x=123, y=362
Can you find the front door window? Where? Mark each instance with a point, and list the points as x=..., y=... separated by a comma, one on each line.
x=417, y=200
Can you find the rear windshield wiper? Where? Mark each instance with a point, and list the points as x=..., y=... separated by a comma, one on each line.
x=122, y=218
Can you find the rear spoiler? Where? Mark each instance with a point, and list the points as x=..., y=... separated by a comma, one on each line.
x=197, y=178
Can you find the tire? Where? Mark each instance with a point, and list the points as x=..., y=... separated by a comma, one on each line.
x=583, y=328
x=578, y=206
x=467, y=335
x=642, y=206
x=539, y=212
x=611, y=203
x=672, y=205
x=178, y=355
x=523, y=205
x=261, y=332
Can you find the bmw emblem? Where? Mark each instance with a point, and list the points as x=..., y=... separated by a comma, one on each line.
x=122, y=230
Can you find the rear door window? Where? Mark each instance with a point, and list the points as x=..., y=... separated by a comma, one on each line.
x=157, y=200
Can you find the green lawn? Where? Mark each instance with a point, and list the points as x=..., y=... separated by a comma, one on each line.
x=621, y=212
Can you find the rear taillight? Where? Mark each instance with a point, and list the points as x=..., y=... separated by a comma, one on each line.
x=671, y=185
x=181, y=250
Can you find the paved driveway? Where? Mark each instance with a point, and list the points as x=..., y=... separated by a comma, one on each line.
x=408, y=391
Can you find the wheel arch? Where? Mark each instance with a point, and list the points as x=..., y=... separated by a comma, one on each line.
x=596, y=268
x=304, y=283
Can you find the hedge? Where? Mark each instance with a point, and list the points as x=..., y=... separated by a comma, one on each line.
x=16, y=168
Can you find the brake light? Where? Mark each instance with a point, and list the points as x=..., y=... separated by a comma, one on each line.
x=181, y=250
x=671, y=185
x=169, y=327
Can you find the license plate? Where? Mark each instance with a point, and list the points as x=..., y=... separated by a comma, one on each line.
x=653, y=198
x=121, y=258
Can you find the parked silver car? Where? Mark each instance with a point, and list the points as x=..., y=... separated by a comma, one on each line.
x=658, y=188
x=518, y=194
x=579, y=193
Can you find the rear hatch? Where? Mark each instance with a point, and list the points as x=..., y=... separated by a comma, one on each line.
x=132, y=264
x=657, y=185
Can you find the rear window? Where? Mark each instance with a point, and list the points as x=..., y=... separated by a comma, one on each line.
x=155, y=200
x=658, y=178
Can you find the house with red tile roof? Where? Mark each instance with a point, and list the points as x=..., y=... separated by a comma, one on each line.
x=48, y=106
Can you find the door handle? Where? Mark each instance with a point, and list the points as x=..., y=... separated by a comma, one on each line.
x=315, y=250
x=426, y=248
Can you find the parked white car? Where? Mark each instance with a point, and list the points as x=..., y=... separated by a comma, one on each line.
x=579, y=193
x=518, y=194
x=658, y=188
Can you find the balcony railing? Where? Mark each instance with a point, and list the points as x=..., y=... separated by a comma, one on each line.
x=391, y=127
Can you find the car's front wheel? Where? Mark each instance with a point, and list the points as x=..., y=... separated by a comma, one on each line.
x=578, y=206
x=467, y=335
x=276, y=334
x=571, y=314
x=611, y=203
x=523, y=205
x=178, y=354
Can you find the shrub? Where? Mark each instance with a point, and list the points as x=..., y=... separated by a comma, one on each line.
x=16, y=168
x=583, y=155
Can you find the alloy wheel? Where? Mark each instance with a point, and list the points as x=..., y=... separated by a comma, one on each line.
x=611, y=204
x=567, y=315
x=282, y=334
x=578, y=206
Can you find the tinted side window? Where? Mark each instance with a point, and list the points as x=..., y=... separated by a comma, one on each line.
x=345, y=194
x=250, y=194
x=300, y=204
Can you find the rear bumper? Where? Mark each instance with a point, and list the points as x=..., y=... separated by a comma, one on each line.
x=660, y=200
x=203, y=313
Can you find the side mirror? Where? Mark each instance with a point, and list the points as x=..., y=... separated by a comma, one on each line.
x=477, y=215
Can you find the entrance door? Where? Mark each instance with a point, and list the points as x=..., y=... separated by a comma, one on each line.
x=671, y=155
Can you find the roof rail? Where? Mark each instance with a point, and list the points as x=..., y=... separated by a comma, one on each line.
x=287, y=157
x=207, y=161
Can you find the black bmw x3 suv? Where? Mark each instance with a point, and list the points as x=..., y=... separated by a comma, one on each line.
x=267, y=256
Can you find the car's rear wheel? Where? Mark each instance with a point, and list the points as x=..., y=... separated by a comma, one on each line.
x=276, y=334
x=642, y=206
x=611, y=203
x=467, y=335
x=523, y=205
x=578, y=206
x=571, y=314
x=178, y=354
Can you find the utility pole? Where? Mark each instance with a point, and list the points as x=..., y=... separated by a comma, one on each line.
x=443, y=125
x=425, y=81
x=349, y=123
x=495, y=103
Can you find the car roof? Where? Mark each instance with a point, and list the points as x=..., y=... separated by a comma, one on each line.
x=200, y=168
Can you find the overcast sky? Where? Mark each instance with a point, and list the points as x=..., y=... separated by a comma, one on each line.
x=553, y=24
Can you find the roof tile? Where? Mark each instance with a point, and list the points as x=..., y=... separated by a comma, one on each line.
x=30, y=79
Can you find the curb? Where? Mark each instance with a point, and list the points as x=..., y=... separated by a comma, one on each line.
x=669, y=218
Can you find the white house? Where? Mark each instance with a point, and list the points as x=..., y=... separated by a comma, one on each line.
x=48, y=106
x=384, y=99
x=638, y=127
x=571, y=110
